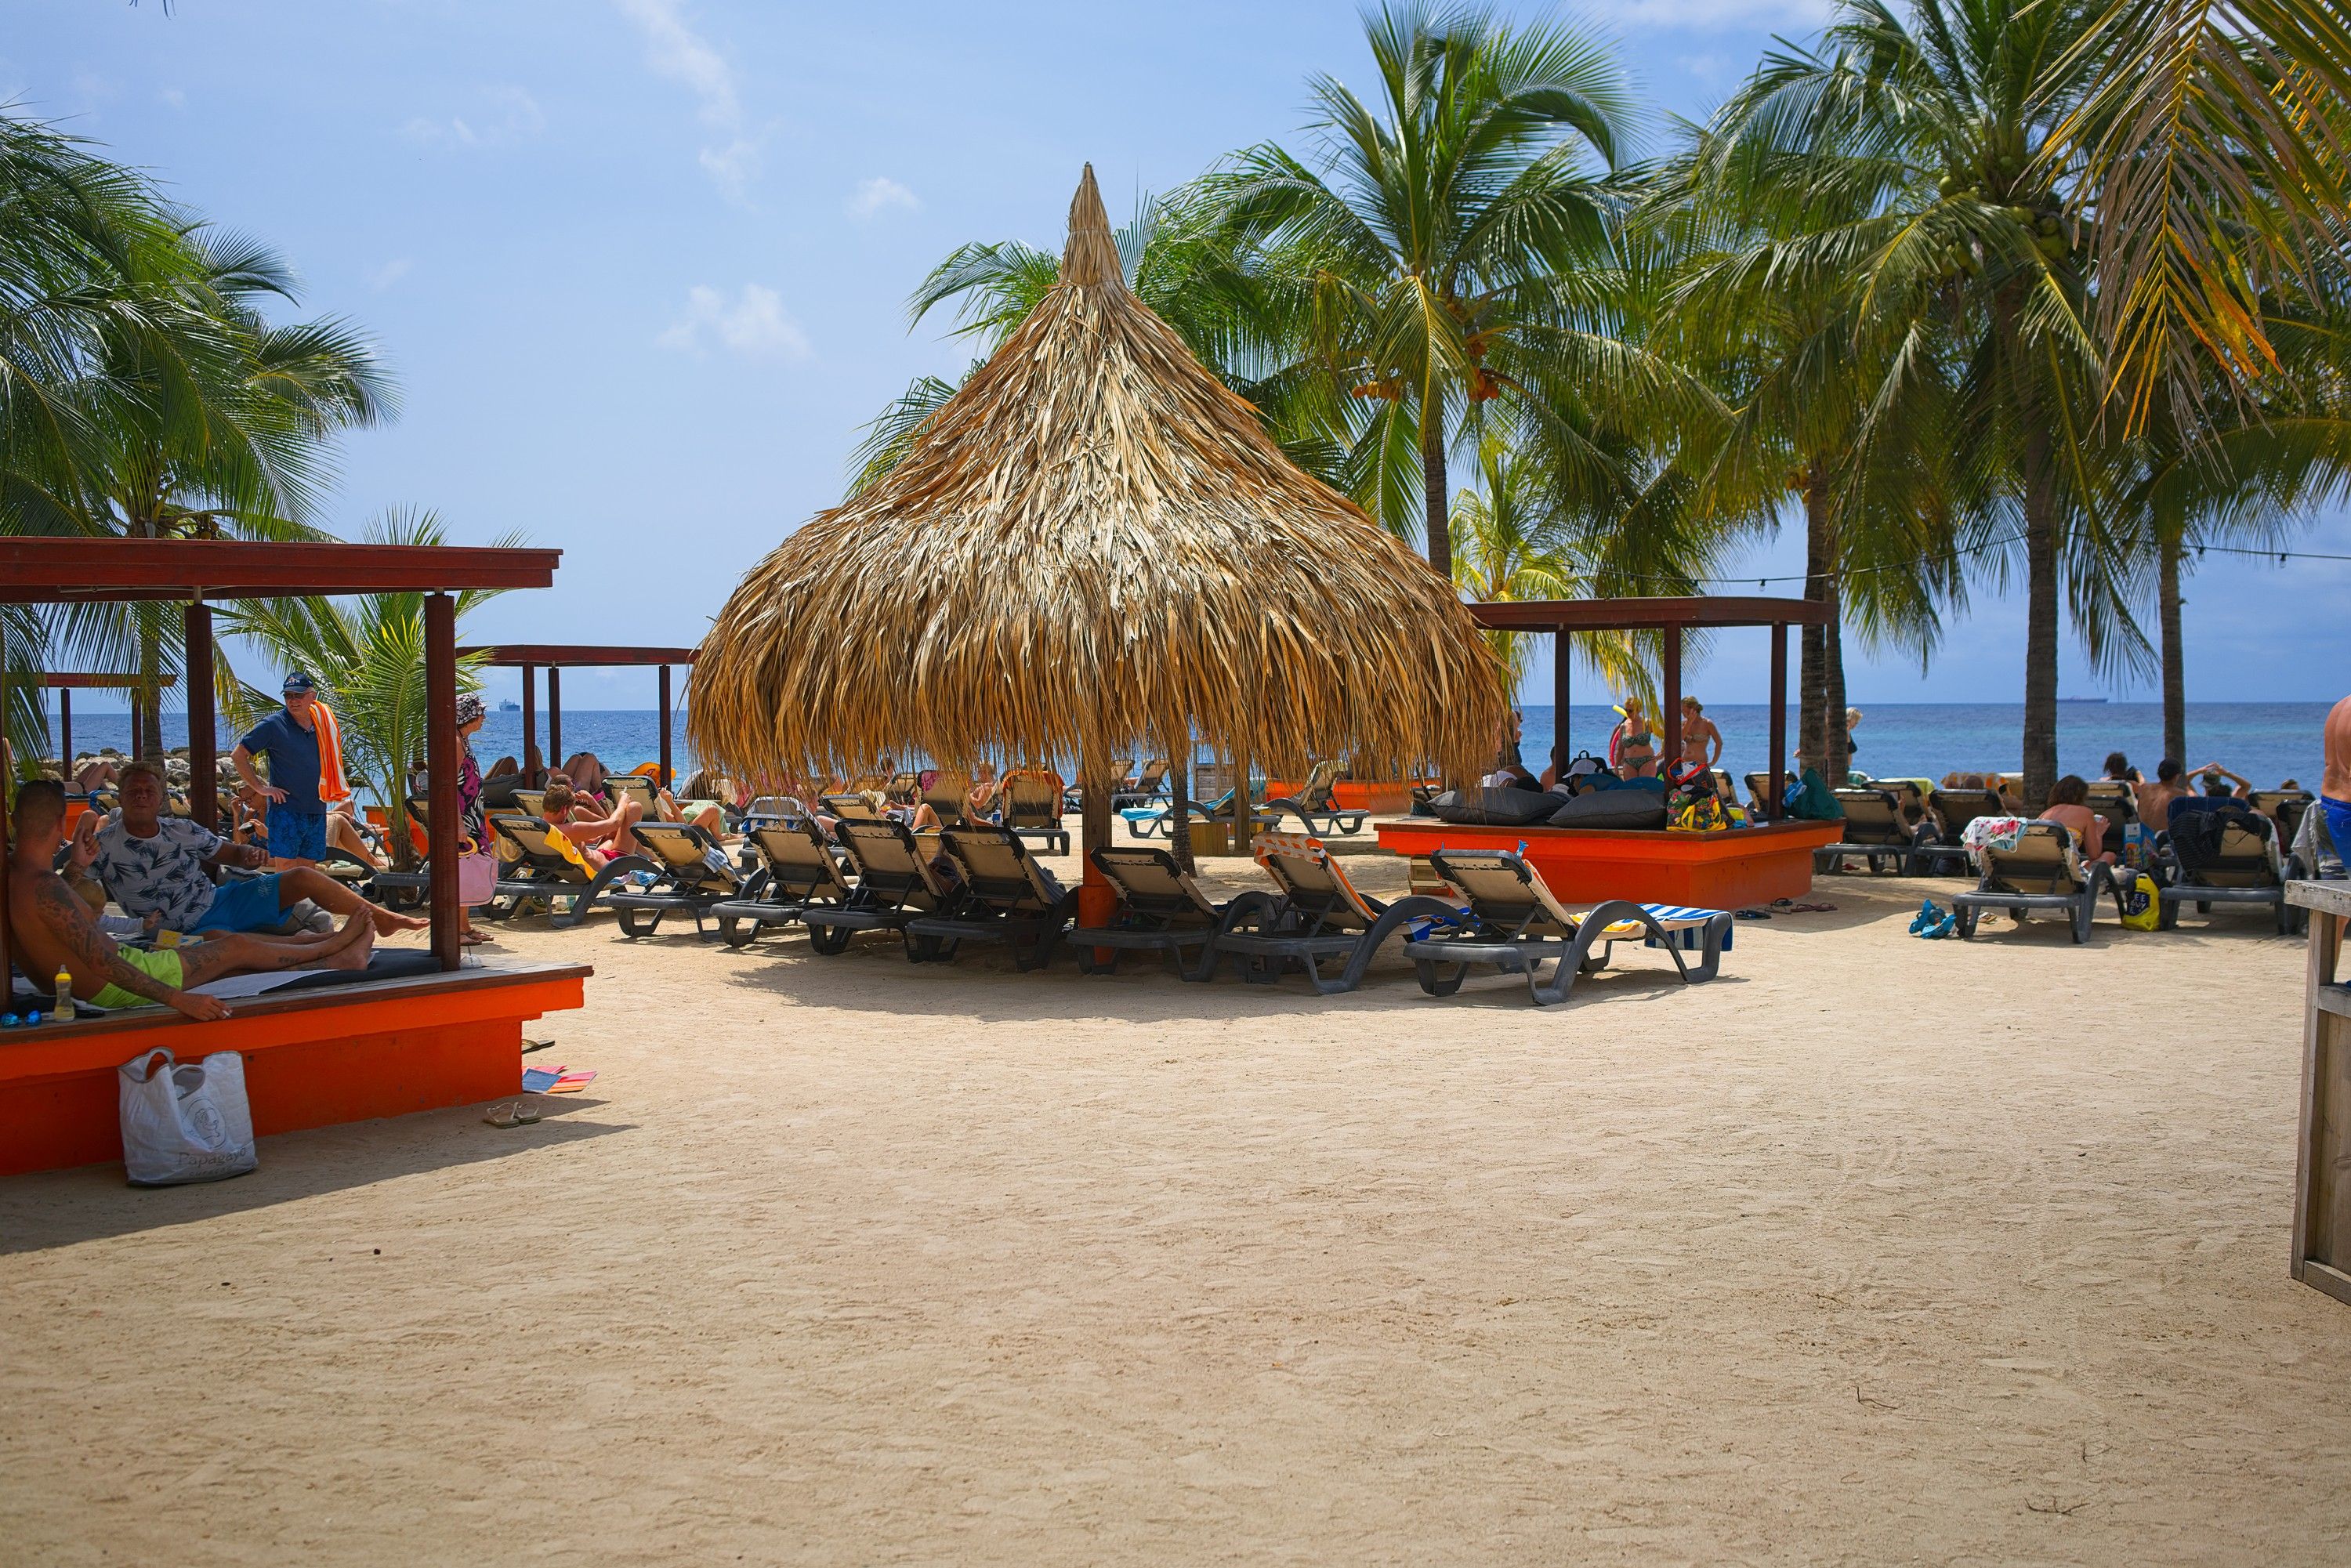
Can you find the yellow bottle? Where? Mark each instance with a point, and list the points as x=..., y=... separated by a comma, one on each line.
x=62, y=1007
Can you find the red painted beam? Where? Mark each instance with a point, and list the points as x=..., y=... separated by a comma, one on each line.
x=62, y=570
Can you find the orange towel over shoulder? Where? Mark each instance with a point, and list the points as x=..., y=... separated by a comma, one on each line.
x=332, y=785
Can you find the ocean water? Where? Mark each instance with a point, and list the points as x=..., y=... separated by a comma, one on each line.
x=2266, y=742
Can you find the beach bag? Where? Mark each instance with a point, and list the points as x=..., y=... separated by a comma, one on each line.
x=477, y=878
x=2141, y=907
x=185, y=1122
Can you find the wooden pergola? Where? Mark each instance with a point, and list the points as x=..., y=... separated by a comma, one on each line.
x=64, y=683
x=528, y=657
x=1674, y=618
x=198, y=572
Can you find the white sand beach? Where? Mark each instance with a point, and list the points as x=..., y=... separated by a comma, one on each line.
x=1876, y=1250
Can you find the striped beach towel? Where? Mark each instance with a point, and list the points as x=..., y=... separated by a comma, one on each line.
x=1685, y=925
x=332, y=785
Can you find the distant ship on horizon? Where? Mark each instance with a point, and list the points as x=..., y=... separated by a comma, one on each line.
x=2081, y=699
x=517, y=707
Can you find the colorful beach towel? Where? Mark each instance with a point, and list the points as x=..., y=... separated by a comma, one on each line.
x=332, y=785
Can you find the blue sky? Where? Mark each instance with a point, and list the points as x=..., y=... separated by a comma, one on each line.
x=641, y=266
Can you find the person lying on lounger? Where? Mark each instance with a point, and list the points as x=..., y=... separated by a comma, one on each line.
x=596, y=836
x=2068, y=808
x=50, y=929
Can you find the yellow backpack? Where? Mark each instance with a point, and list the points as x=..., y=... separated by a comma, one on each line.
x=2140, y=906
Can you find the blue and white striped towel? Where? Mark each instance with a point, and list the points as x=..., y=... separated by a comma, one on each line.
x=1687, y=926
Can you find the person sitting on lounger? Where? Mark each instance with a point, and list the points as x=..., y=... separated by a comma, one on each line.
x=2068, y=808
x=157, y=867
x=980, y=801
x=52, y=930
x=596, y=836
x=585, y=773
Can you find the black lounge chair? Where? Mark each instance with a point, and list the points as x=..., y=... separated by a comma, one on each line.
x=2043, y=870
x=540, y=871
x=1160, y=910
x=2233, y=859
x=1875, y=829
x=1032, y=808
x=1320, y=918
x=802, y=871
x=1313, y=807
x=1007, y=897
x=692, y=874
x=1514, y=922
x=895, y=885
x=2285, y=807
x=1145, y=788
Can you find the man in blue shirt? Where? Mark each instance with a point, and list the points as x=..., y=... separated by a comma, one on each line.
x=297, y=821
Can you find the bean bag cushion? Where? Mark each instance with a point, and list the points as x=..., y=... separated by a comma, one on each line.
x=1631, y=808
x=1493, y=807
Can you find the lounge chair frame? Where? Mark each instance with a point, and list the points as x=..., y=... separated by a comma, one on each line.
x=802, y=871
x=2254, y=877
x=1313, y=807
x=542, y=873
x=1161, y=910
x=895, y=885
x=2043, y=872
x=1320, y=917
x=1520, y=930
x=1033, y=804
x=1873, y=830
x=684, y=882
x=1006, y=897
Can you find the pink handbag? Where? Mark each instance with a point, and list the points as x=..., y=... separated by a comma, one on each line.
x=477, y=878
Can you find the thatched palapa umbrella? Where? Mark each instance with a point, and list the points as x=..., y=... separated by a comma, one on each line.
x=1093, y=551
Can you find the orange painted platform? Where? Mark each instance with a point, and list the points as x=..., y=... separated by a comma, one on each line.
x=312, y=1059
x=1583, y=866
x=1371, y=795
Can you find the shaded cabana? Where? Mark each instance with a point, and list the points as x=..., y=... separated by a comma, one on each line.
x=1094, y=551
x=374, y=1048
x=1673, y=619
x=64, y=683
x=531, y=657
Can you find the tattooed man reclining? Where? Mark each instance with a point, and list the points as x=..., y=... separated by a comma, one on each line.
x=51, y=929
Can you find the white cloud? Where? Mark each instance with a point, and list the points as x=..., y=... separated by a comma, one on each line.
x=879, y=195
x=380, y=278
x=753, y=324
x=676, y=52
x=507, y=115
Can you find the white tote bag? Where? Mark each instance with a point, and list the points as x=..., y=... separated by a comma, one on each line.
x=184, y=1123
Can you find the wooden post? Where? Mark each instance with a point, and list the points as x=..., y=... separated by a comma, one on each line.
x=65, y=731
x=8, y=825
x=554, y=716
x=1673, y=660
x=1179, y=801
x=665, y=727
x=2322, y=1185
x=529, y=724
x=1561, y=646
x=1776, y=807
x=203, y=747
x=1240, y=813
x=441, y=765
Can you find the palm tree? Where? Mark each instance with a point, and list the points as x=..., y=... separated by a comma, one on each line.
x=229, y=440
x=1937, y=124
x=369, y=654
x=1455, y=243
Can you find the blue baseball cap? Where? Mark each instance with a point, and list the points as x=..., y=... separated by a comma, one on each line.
x=299, y=680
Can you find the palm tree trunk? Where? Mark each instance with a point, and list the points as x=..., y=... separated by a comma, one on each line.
x=147, y=739
x=1432, y=474
x=1811, y=681
x=1836, y=756
x=2175, y=658
x=2040, y=618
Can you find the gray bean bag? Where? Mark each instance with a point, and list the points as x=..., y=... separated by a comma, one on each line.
x=1612, y=809
x=1493, y=807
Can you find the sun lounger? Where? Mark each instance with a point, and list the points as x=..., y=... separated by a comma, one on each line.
x=2285, y=807
x=2246, y=868
x=803, y=873
x=1313, y=807
x=1951, y=811
x=619, y=786
x=396, y=889
x=1033, y=802
x=904, y=787
x=539, y=871
x=1159, y=821
x=851, y=808
x=2043, y=871
x=692, y=873
x=895, y=884
x=1007, y=897
x=1145, y=787
x=1513, y=921
x=946, y=795
x=1874, y=827
x=1160, y=910
x=1320, y=917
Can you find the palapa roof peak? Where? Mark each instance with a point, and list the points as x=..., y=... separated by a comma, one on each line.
x=1090, y=258
x=1092, y=551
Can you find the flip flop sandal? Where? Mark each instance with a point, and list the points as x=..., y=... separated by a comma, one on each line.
x=526, y=1115
x=504, y=1116
x=531, y=1045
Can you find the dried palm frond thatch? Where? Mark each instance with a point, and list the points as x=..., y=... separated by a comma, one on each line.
x=1093, y=550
